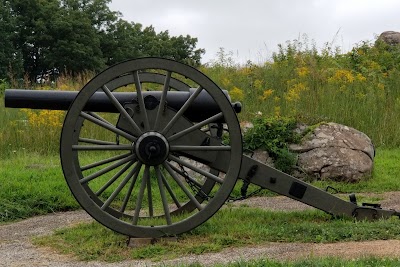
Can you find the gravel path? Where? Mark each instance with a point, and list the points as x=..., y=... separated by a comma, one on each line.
x=17, y=250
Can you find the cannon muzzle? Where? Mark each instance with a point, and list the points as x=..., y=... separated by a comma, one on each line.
x=203, y=107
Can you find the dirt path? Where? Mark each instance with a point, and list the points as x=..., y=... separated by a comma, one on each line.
x=17, y=250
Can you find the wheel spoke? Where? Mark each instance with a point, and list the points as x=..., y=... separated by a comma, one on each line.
x=95, y=141
x=170, y=191
x=140, y=98
x=163, y=196
x=182, y=110
x=185, y=175
x=130, y=189
x=182, y=186
x=120, y=108
x=196, y=126
x=140, y=195
x=107, y=126
x=162, y=100
x=105, y=161
x=105, y=170
x=120, y=187
x=114, y=178
x=102, y=147
x=95, y=115
x=196, y=169
x=200, y=148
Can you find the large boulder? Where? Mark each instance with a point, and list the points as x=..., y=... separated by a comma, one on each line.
x=334, y=151
x=390, y=37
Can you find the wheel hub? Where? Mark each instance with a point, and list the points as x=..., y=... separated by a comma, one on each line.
x=152, y=148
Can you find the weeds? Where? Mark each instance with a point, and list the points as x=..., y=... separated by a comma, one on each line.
x=273, y=134
x=359, y=89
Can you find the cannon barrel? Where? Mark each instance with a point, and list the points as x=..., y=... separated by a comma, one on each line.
x=203, y=107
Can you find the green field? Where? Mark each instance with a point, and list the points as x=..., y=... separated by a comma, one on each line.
x=360, y=89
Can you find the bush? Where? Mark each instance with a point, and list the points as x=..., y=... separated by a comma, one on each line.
x=274, y=134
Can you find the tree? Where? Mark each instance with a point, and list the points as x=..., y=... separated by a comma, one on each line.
x=122, y=41
x=185, y=50
x=97, y=11
x=76, y=44
x=79, y=35
x=60, y=34
x=126, y=40
x=33, y=39
x=10, y=58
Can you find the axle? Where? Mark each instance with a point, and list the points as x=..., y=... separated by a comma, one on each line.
x=202, y=108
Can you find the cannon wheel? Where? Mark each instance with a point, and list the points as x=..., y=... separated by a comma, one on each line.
x=112, y=189
x=178, y=85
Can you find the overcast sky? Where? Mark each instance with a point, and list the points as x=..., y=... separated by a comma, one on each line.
x=251, y=29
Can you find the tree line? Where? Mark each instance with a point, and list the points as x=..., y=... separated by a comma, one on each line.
x=79, y=35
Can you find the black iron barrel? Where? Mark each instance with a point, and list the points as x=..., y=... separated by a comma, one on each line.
x=202, y=108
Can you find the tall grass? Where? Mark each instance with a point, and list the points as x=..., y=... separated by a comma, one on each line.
x=360, y=89
x=36, y=131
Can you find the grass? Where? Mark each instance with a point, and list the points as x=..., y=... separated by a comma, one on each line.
x=230, y=227
x=314, y=262
x=33, y=184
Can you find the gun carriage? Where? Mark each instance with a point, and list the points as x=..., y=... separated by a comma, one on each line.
x=151, y=147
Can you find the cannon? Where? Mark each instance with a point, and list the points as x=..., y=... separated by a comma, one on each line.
x=152, y=148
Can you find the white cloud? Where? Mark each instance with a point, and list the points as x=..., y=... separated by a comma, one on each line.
x=253, y=28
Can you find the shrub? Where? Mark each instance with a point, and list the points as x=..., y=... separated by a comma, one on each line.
x=274, y=134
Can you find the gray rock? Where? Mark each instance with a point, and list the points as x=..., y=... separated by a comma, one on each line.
x=263, y=156
x=334, y=151
x=390, y=37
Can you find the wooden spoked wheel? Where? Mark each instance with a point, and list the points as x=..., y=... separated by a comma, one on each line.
x=142, y=168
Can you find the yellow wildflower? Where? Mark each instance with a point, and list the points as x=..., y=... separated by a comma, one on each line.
x=294, y=92
x=360, y=77
x=302, y=71
x=381, y=86
x=267, y=93
x=342, y=76
x=292, y=95
x=45, y=118
x=258, y=84
x=277, y=111
x=236, y=93
x=246, y=71
x=372, y=65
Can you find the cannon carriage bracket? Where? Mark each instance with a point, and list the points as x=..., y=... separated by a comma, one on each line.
x=152, y=148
